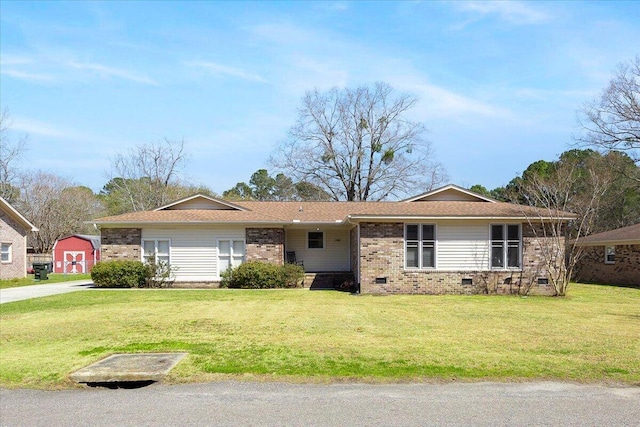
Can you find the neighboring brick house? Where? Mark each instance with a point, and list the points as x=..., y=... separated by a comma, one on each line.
x=448, y=240
x=13, y=242
x=611, y=257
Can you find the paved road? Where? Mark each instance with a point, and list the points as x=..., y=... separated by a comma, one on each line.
x=279, y=404
x=35, y=291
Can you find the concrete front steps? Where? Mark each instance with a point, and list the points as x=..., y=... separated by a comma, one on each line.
x=339, y=280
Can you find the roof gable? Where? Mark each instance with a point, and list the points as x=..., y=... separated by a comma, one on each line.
x=200, y=202
x=94, y=240
x=450, y=193
x=12, y=212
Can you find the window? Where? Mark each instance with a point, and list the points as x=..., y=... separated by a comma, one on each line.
x=505, y=246
x=155, y=249
x=5, y=252
x=610, y=255
x=420, y=246
x=230, y=254
x=316, y=240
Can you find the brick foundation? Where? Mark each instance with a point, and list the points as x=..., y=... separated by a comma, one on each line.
x=121, y=244
x=265, y=244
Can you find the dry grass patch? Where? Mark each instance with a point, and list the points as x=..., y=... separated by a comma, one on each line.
x=592, y=335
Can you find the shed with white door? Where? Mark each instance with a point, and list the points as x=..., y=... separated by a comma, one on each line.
x=76, y=254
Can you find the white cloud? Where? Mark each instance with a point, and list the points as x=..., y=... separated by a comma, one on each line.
x=335, y=6
x=306, y=72
x=285, y=34
x=45, y=129
x=227, y=71
x=444, y=103
x=548, y=94
x=14, y=65
x=38, y=128
x=514, y=12
x=9, y=59
x=112, y=72
x=22, y=75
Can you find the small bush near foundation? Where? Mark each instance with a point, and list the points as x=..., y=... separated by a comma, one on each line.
x=120, y=274
x=262, y=275
x=160, y=274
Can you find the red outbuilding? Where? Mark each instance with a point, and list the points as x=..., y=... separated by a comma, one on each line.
x=76, y=254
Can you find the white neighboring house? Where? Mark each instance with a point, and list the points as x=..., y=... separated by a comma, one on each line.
x=14, y=228
x=449, y=240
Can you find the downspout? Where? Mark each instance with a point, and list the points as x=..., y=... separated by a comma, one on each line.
x=95, y=251
x=53, y=254
x=357, y=225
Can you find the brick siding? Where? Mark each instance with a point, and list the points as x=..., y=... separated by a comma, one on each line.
x=625, y=270
x=12, y=232
x=121, y=244
x=382, y=257
x=265, y=244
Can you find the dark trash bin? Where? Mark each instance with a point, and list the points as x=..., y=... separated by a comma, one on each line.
x=40, y=270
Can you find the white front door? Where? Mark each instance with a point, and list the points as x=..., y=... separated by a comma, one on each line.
x=73, y=262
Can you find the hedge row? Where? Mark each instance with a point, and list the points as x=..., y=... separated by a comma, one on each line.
x=261, y=275
x=131, y=274
x=249, y=275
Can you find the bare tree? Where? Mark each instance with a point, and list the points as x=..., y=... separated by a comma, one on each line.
x=148, y=176
x=613, y=121
x=56, y=206
x=357, y=144
x=10, y=151
x=570, y=187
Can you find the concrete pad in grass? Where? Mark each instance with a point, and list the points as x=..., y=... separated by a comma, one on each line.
x=128, y=368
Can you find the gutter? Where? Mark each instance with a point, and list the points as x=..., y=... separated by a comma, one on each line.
x=609, y=243
x=430, y=218
x=147, y=223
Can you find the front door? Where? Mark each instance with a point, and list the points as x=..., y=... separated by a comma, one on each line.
x=73, y=262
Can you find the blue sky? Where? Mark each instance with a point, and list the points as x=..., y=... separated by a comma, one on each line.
x=499, y=83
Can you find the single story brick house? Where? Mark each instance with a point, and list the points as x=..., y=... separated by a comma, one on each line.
x=610, y=257
x=449, y=240
x=13, y=242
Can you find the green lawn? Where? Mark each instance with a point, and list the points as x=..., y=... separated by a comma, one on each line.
x=52, y=278
x=593, y=335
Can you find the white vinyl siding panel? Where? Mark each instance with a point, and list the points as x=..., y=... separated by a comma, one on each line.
x=193, y=251
x=333, y=257
x=462, y=247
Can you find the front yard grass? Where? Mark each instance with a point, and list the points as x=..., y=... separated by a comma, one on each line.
x=52, y=278
x=593, y=335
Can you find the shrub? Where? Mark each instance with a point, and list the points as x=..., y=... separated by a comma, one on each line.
x=292, y=275
x=120, y=274
x=262, y=275
x=160, y=274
